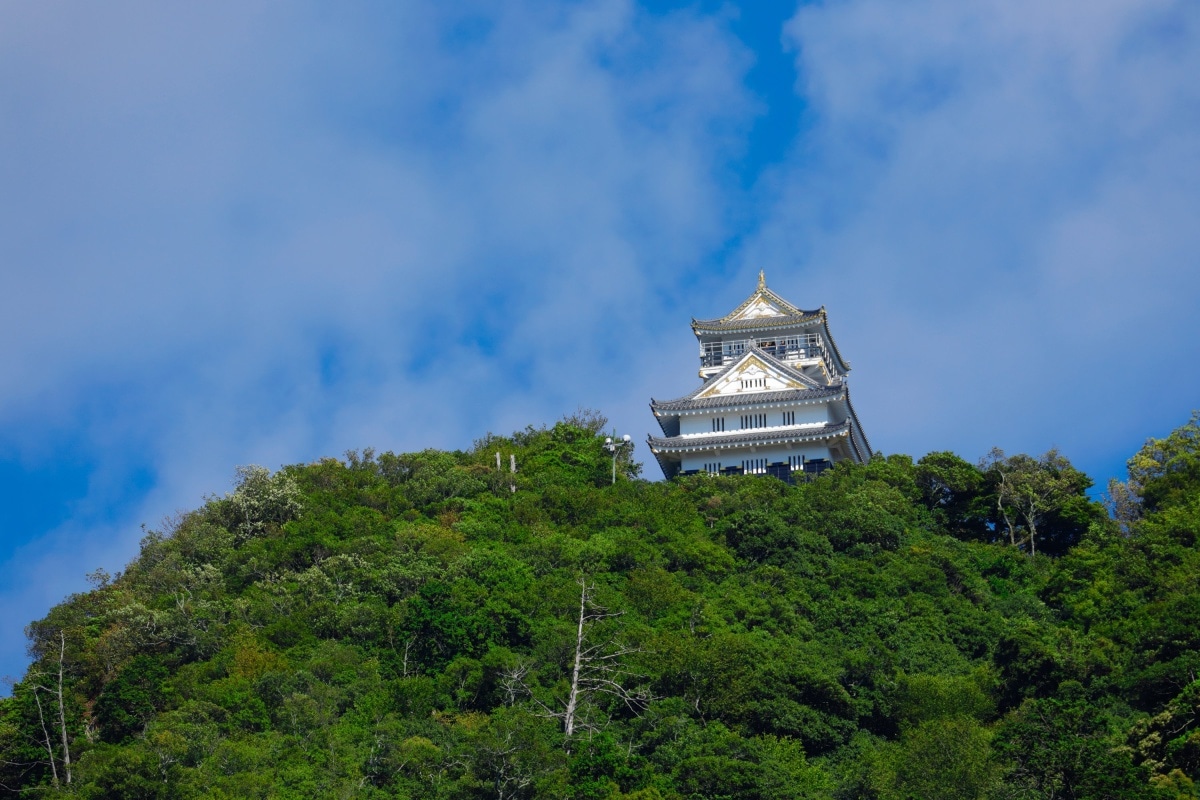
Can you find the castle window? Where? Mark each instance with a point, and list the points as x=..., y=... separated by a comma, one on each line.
x=789, y=418
x=711, y=354
x=718, y=424
x=754, y=466
x=754, y=421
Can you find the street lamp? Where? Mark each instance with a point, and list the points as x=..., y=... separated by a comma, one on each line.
x=615, y=447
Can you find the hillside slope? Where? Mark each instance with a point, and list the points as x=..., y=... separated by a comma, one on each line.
x=411, y=626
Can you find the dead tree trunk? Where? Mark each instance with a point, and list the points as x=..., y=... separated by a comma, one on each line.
x=56, y=691
x=573, y=695
x=595, y=669
x=46, y=736
x=62, y=710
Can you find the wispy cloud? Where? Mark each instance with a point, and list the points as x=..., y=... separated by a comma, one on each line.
x=995, y=200
x=267, y=233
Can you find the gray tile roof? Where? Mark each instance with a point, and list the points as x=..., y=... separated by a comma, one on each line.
x=756, y=323
x=766, y=294
x=862, y=448
x=762, y=436
x=690, y=402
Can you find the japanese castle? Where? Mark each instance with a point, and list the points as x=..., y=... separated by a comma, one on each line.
x=774, y=398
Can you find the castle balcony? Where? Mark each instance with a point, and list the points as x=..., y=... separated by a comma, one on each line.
x=795, y=350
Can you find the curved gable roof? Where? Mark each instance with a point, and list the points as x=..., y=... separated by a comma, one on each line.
x=765, y=310
x=753, y=353
x=762, y=307
x=728, y=401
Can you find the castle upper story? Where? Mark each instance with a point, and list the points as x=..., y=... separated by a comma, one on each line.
x=766, y=321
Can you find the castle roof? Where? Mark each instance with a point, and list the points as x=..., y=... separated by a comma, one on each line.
x=749, y=398
x=762, y=305
x=765, y=311
x=858, y=437
x=781, y=368
x=759, y=436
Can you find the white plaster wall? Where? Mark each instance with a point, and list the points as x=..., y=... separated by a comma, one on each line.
x=805, y=415
x=697, y=424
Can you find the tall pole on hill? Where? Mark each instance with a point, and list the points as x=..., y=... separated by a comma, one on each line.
x=615, y=446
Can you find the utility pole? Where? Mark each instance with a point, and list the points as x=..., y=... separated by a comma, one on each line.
x=616, y=446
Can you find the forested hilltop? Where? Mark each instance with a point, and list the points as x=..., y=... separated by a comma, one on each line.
x=431, y=625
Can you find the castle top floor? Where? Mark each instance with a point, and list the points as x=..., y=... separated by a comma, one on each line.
x=766, y=321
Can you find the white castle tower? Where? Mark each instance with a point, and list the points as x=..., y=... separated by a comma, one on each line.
x=774, y=398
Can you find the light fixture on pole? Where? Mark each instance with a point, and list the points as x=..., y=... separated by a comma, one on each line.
x=615, y=447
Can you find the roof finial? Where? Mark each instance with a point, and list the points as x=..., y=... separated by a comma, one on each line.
x=762, y=279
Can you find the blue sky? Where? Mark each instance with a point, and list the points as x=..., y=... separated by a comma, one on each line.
x=266, y=232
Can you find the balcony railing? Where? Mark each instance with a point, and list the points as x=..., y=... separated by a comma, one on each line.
x=789, y=352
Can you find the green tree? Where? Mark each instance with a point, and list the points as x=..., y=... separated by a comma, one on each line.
x=946, y=758
x=130, y=700
x=1167, y=471
x=1039, y=503
x=1169, y=742
x=430, y=477
x=261, y=499
x=951, y=488
x=1062, y=748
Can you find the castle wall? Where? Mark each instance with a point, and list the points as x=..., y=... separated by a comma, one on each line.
x=804, y=415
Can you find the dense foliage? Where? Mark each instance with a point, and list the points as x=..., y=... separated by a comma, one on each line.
x=434, y=625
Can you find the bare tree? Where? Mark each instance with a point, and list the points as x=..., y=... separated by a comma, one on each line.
x=1001, y=467
x=46, y=742
x=596, y=668
x=510, y=775
x=55, y=691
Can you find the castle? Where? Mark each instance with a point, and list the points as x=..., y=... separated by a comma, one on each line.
x=774, y=398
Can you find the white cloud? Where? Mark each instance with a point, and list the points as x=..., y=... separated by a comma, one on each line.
x=994, y=203
x=264, y=233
